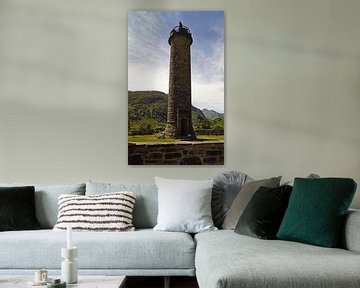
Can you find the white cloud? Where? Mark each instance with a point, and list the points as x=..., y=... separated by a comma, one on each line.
x=148, y=58
x=208, y=96
x=148, y=55
x=208, y=76
x=155, y=78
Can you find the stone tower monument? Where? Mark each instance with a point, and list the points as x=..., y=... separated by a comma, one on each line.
x=179, y=122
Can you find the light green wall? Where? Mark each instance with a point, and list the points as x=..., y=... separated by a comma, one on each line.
x=292, y=89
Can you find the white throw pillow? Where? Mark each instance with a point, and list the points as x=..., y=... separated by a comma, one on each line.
x=184, y=205
x=104, y=212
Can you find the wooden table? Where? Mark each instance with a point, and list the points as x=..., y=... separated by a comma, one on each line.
x=84, y=281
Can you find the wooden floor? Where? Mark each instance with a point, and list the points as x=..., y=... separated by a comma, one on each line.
x=158, y=282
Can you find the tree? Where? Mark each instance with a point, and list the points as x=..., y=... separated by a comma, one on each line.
x=218, y=124
x=145, y=126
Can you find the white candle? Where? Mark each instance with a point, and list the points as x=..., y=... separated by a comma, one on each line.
x=69, y=237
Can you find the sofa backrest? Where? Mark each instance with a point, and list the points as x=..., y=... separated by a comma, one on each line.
x=146, y=203
x=46, y=200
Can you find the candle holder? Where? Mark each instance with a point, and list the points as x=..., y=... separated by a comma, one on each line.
x=69, y=272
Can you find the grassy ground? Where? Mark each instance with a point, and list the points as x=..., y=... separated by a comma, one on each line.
x=153, y=138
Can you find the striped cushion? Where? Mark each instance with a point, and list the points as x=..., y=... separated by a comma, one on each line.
x=105, y=212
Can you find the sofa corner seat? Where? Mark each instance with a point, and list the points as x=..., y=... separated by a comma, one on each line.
x=225, y=259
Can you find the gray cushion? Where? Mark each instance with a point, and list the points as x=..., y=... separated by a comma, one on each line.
x=243, y=198
x=146, y=204
x=143, y=249
x=225, y=259
x=311, y=176
x=351, y=236
x=46, y=200
x=225, y=189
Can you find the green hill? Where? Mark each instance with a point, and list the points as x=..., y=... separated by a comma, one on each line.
x=147, y=104
x=212, y=114
x=147, y=113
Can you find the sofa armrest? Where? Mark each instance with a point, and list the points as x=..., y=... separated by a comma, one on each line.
x=351, y=232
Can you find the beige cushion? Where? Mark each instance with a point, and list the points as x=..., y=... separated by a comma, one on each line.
x=243, y=198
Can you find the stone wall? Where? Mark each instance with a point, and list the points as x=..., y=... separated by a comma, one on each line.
x=187, y=153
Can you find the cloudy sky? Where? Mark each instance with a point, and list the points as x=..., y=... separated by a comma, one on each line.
x=149, y=53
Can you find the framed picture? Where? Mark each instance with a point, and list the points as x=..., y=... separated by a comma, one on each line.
x=175, y=87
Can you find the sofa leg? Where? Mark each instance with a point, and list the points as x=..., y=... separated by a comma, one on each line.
x=167, y=282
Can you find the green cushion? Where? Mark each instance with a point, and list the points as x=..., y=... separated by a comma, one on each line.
x=17, y=209
x=316, y=211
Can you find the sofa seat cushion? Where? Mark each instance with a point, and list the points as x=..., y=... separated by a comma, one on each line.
x=137, y=250
x=226, y=259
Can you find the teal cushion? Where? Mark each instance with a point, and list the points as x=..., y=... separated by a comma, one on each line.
x=316, y=211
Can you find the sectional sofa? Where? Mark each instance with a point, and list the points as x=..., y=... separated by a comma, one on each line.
x=218, y=259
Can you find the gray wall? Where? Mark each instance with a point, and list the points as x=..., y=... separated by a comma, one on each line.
x=292, y=89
